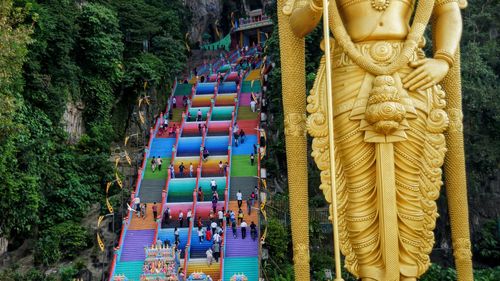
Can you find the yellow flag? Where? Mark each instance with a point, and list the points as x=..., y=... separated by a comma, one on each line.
x=145, y=84
x=141, y=117
x=128, y=158
x=108, y=204
x=126, y=140
x=186, y=42
x=99, y=220
x=254, y=97
x=217, y=29
x=118, y=180
x=108, y=185
x=99, y=241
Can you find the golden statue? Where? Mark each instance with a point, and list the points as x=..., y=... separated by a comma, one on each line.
x=395, y=114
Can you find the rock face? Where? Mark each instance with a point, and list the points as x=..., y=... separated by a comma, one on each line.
x=3, y=245
x=73, y=121
x=205, y=13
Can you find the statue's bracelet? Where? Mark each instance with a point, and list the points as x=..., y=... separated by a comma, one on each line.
x=446, y=56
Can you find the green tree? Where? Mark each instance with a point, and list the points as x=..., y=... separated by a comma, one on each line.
x=20, y=201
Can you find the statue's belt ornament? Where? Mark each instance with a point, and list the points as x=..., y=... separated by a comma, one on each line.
x=380, y=5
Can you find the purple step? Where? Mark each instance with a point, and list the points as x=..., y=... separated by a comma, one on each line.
x=134, y=243
x=237, y=247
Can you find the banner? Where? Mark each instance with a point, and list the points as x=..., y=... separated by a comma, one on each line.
x=108, y=186
x=118, y=180
x=128, y=158
x=99, y=220
x=99, y=241
x=141, y=117
x=253, y=96
x=186, y=42
x=110, y=207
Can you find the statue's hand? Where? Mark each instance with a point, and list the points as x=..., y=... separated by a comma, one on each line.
x=428, y=73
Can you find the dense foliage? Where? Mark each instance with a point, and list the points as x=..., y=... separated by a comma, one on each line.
x=57, y=53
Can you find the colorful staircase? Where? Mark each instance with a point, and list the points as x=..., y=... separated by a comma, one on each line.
x=223, y=100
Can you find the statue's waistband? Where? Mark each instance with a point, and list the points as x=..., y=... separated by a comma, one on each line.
x=380, y=52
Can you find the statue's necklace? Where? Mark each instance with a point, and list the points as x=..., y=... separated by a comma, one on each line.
x=421, y=19
x=380, y=5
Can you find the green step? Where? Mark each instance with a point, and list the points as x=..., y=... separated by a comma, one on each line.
x=241, y=167
x=246, y=265
x=131, y=269
x=183, y=90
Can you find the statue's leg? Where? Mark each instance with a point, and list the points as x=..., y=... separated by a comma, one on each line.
x=418, y=180
x=358, y=159
x=408, y=158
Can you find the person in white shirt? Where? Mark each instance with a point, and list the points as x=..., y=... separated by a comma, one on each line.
x=213, y=185
x=176, y=234
x=252, y=105
x=159, y=161
x=209, y=256
x=200, y=234
x=199, y=115
x=221, y=168
x=243, y=226
x=188, y=216
x=137, y=201
x=221, y=217
x=213, y=225
x=239, y=197
x=191, y=170
x=217, y=238
x=181, y=219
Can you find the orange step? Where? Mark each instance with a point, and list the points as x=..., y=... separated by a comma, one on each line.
x=233, y=206
x=143, y=223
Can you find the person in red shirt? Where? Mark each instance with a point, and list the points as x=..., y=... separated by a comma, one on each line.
x=208, y=234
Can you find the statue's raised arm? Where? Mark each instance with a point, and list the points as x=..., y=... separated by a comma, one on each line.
x=304, y=15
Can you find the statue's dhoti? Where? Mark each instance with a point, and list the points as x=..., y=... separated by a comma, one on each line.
x=390, y=147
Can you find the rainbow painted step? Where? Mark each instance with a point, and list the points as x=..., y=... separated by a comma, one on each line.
x=134, y=244
x=246, y=265
x=131, y=269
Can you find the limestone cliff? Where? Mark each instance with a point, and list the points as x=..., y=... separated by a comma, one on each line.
x=206, y=14
x=72, y=120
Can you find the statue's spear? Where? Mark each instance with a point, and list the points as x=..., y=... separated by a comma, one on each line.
x=331, y=140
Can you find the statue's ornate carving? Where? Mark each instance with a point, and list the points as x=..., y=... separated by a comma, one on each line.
x=295, y=124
